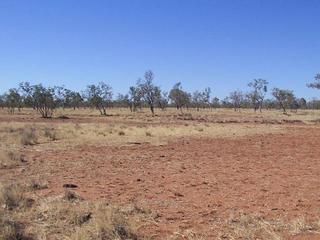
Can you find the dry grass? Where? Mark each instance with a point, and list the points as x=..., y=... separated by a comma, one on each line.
x=77, y=220
x=303, y=115
x=253, y=227
x=121, y=126
x=70, y=217
x=65, y=217
x=29, y=136
x=10, y=229
x=301, y=225
x=187, y=235
x=50, y=133
x=109, y=222
x=10, y=158
x=170, y=114
x=13, y=196
x=208, y=114
x=121, y=133
x=62, y=135
x=37, y=184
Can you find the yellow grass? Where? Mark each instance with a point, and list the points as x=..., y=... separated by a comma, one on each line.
x=172, y=113
x=59, y=217
x=70, y=134
x=70, y=217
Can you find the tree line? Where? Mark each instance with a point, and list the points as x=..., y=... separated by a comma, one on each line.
x=145, y=93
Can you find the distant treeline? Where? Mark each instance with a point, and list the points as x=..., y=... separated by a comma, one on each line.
x=147, y=94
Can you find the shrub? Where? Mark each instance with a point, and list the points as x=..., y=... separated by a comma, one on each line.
x=28, y=136
x=121, y=133
x=12, y=196
x=71, y=196
x=199, y=129
x=10, y=158
x=50, y=133
x=37, y=185
x=10, y=229
x=109, y=222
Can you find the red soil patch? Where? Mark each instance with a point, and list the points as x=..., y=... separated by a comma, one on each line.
x=193, y=183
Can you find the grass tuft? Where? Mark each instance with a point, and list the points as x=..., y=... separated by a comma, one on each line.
x=10, y=158
x=29, y=136
x=121, y=133
x=13, y=196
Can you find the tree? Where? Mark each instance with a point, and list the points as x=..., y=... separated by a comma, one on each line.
x=43, y=99
x=135, y=98
x=302, y=103
x=215, y=102
x=150, y=93
x=270, y=104
x=225, y=103
x=197, y=100
x=314, y=103
x=75, y=99
x=62, y=97
x=26, y=91
x=236, y=98
x=257, y=95
x=99, y=96
x=201, y=99
x=179, y=97
x=163, y=101
x=283, y=97
x=2, y=101
x=13, y=100
x=206, y=95
x=316, y=83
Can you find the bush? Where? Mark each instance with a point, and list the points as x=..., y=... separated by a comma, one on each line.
x=50, y=133
x=109, y=222
x=29, y=136
x=9, y=229
x=71, y=196
x=121, y=133
x=10, y=158
x=37, y=185
x=12, y=196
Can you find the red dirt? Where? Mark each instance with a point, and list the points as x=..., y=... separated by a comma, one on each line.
x=193, y=183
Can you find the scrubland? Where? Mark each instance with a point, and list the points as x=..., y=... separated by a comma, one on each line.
x=207, y=174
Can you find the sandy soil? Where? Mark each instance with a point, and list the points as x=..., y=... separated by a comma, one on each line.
x=193, y=183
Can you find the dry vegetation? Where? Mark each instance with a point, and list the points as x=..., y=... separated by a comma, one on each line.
x=28, y=210
x=10, y=158
x=25, y=215
x=113, y=134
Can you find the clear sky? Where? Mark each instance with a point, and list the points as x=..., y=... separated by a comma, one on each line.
x=223, y=44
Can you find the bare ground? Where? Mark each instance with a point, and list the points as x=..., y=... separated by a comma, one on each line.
x=193, y=183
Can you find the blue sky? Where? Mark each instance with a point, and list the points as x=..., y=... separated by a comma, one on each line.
x=222, y=44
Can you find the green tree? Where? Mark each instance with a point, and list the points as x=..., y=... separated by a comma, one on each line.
x=236, y=99
x=178, y=97
x=99, y=96
x=13, y=100
x=150, y=93
x=316, y=83
x=284, y=98
x=257, y=95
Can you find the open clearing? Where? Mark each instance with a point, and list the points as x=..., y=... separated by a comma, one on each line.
x=199, y=175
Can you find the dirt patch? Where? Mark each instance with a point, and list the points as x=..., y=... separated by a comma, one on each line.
x=193, y=183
